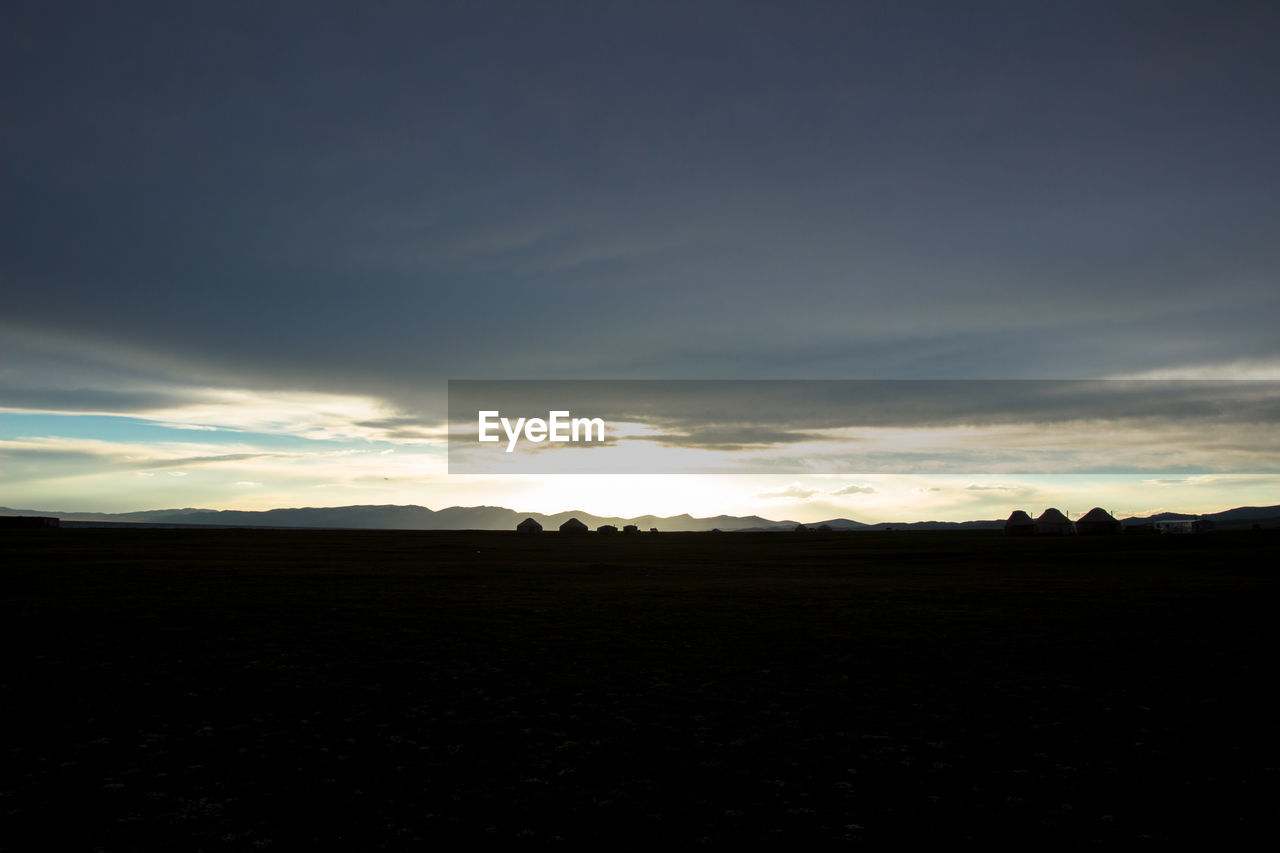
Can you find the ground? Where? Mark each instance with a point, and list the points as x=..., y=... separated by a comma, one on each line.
x=271, y=689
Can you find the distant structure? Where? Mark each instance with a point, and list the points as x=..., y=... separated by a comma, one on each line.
x=1053, y=523
x=1019, y=524
x=800, y=528
x=1098, y=522
x=12, y=522
x=653, y=530
x=573, y=526
x=824, y=528
x=606, y=528
x=630, y=529
x=1190, y=525
x=528, y=526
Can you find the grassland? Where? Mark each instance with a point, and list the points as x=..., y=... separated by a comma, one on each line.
x=268, y=689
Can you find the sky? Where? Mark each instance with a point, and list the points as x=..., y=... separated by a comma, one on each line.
x=245, y=246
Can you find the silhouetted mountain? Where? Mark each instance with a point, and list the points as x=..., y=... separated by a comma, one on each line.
x=842, y=524
x=1242, y=517
x=1245, y=513
x=1160, y=516
x=846, y=524
x=396, y=517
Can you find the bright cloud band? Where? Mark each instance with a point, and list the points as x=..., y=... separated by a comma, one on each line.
x=818, y=427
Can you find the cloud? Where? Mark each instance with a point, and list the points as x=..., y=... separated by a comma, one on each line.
x=795, y=491
x=837, y=427
x=730, y=439
x=1232, y=370
x=673, y=231
x=829, y=200
x=767, y=412
x=56, y=455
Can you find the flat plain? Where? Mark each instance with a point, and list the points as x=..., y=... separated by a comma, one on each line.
x=284, y=689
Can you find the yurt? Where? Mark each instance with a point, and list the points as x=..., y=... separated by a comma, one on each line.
x=1053, y=523
x=573, y=526
x=606, y=528
x=1098, y=522
x=1019, y=524
x=528, y=526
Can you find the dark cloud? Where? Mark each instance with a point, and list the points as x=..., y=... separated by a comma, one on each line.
x=731, y=437
x=771, y=412
x=90, y=399
x=377, y=200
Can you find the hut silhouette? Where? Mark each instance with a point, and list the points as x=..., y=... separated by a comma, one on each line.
x=1098, y=522
x=1019, y=524
x=528, y=526
x=606, y=528
x=1053, y=523
x=573, y=526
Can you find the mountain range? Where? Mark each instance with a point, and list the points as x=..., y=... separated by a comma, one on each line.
x=392, y=517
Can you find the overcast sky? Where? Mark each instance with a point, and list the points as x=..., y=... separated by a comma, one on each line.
x=298, y=220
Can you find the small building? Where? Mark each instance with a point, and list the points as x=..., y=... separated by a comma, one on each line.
x=630, y=529
x=1098, y=522
x=1053, y=523
x=1019, y=524
x=1184, y=526
x=653, y=530
x=528, y=526
x=824, y=528
x=800, y=528
x=606, y=528
x=573, y=526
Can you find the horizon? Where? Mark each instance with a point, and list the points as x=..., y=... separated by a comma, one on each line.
x=1069, y=513
x=247, y=251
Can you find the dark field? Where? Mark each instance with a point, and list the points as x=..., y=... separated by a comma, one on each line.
x=242, y=690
